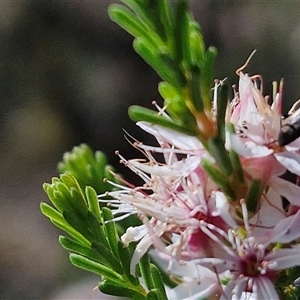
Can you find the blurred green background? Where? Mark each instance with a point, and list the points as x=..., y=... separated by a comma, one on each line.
x=67, y=76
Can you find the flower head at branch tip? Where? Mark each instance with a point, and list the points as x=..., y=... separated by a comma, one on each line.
x=188, y=213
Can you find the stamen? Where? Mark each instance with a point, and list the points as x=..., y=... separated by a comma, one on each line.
x=240, y=69
x=154, y=235
x=138, y=171
x=215, y=97
x=129, y=135
x=231, y=238
x=166, y=150
x=235, y=91
x=274, y=89
x=245, y=215
x=255, y=79
x=161, y=111
x=237, y=241
x=119, y=186
x=205, y=228
x=119, y=178
x=120, y=218
x=280, y=93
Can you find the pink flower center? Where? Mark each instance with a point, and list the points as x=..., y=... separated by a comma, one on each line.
x=250, y=266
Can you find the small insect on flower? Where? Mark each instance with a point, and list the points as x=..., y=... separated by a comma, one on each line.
x=290, y=129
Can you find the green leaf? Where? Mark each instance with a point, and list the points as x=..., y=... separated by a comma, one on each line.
x=112, y=288
x=166, y=17
x=87, y=252
x=222, y=102
x=219, y=178
x=94, y=226
x=125, y=261
x=170, y=41
x=87, y=167
x=153, y=57
x=79, y=223
x=234, y=157
x=57, y=198
x=72, y=188
x=93, y=203
x=50, y=212
x=207, y=77
x=114, y=262
x=69, y=181
x=111, y=231
x=153, y=13
x=237, y=166
x=220, y=154
x=58, y=220
x=285, y=286
x=158, y=283
x=139, y=11
x=144, y=265
x=197, y=46
x=178, y=109
x=78, y=200
x=138, y=113
x=128, y=21
x=195, y=88
x=99, y=230
x=94, y=267
x=167, y=91
x=181, y=32
x=253, y=195
x=66, y=195
x=152, y=295
x=176, y=105
x=176, y=76
x=152, y=278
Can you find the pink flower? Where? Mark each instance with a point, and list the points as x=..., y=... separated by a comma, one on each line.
x=198, y=282
x=175, y=197
x=258, y=125
x=209, y=241
x=254, y=260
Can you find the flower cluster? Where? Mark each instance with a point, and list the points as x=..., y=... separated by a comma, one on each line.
x=215, y=209
x=222, y=237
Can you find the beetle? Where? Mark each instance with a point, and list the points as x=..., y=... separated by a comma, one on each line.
x=290, y=127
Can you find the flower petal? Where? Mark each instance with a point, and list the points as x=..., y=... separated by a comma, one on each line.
x=196, y=289
x=270, y=213
x=179, y=140
x=290, y=160
x=177, y=169
x=246, y=148
x=264, y=288
x=285, y=258
x=287, y=189
x=221, y=208
x=287, y=229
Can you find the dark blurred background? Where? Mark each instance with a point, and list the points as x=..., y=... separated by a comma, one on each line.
x=67, y=76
